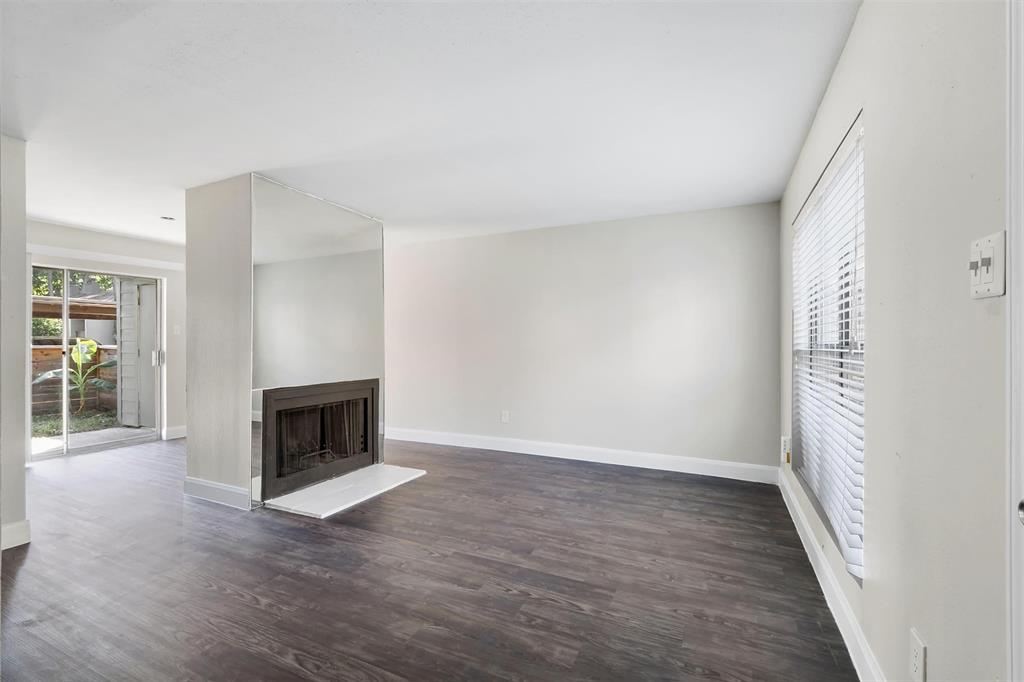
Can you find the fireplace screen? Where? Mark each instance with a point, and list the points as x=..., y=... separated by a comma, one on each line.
x=308, y=437
x=313, y=433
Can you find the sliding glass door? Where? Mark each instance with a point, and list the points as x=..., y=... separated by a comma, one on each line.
x=95, y=360
x=47, y=359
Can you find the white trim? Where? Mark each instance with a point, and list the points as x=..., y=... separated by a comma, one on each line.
x=172, y=432
x=161, y=355
x=28, y=364
x=868, y=669
x=1015, y=336
x=760, y=473
x=78, y=254
x=221, y=493
x=15, y=534
x=256, y=415
x=43, y=456
x=150, y=437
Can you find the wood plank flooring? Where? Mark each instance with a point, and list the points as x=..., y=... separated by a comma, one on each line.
x=493, y=566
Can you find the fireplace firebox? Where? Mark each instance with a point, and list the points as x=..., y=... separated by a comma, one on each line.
x=314, y=433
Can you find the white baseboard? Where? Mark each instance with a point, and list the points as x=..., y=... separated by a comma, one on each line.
x=15, y=533
x=759, y=473
x=868, y=669
x=221, y=493
x=172, y=432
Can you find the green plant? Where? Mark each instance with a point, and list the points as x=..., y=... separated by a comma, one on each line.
x=43, y=327
x=50, y=282
x=79, y=378
x=47, y=282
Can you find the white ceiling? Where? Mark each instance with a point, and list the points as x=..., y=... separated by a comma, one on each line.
x=288, y=225
x=440, y=119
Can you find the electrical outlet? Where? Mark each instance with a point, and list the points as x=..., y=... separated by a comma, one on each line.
x=918, y=657
x=787, y=450
x=506, y=416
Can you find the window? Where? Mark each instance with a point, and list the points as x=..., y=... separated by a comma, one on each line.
x=828, y=346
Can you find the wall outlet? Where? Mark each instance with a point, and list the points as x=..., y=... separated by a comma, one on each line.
x=506, y=416
x=918, y=657
x=787, y=450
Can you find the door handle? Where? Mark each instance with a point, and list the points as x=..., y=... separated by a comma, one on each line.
x=1020, y=511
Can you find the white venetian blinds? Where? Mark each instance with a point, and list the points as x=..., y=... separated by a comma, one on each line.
x=828, y=346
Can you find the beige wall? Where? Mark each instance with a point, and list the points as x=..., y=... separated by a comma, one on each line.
x=317, y=320
x=219, y=372
x=652, y=335
x=931, y=80
x=65, y=246
x=13, y=343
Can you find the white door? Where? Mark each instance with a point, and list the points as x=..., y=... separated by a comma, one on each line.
x=138, y=352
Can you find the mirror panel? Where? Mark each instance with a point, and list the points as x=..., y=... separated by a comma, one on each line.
x=318, y=298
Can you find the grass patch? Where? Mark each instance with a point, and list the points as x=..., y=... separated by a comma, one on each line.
x=48, y=425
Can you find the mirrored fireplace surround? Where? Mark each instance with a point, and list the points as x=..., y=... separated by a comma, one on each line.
x=284, y=290
x=317, y=340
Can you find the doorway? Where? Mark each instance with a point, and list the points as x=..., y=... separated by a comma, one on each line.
x=95, y=360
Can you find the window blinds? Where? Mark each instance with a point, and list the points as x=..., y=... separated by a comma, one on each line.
x=828, y=346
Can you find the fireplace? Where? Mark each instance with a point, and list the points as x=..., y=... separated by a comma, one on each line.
x=313, y=433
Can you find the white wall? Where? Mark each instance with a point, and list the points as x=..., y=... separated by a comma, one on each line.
x=219, y=368
x=66, y=246
x=651, y=335
x=931, y=80
x=317, y=320
x=13, y=344
x=103, y=332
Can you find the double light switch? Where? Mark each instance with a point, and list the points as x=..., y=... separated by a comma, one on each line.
x=988, y=266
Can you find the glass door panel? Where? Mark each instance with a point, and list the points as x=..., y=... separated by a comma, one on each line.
x=47, y=361
x=92, y=358
x=107, y=363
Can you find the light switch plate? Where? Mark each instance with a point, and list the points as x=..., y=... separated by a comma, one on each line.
x=987, y=266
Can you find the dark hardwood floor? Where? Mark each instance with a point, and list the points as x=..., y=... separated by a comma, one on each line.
x=492, y=566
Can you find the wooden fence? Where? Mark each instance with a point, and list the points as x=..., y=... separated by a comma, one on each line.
x=46, y=396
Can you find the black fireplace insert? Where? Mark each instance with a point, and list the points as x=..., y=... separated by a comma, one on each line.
x=314, y=433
